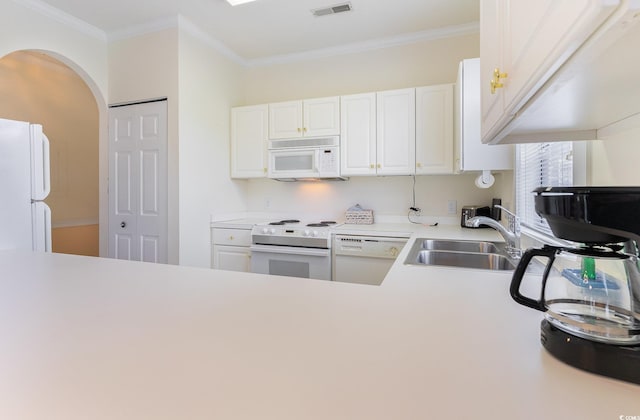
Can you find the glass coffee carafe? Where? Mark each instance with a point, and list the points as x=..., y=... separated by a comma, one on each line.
x=591, y=291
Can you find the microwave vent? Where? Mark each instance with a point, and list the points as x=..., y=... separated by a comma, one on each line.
x=332, y=10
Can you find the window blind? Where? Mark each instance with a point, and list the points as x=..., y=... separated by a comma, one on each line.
x=537, y=165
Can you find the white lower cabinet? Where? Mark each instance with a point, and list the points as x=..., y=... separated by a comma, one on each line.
x=230, y=249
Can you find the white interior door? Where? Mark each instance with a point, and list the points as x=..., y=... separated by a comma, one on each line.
x=138, y=182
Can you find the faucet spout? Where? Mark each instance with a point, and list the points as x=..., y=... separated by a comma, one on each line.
x=511, y=235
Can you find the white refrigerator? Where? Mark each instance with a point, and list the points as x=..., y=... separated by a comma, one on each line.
x=25, y=220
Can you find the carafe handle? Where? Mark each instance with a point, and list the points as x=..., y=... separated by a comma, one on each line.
x=518, y=275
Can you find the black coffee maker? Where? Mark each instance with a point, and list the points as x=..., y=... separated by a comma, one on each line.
x=590, y=291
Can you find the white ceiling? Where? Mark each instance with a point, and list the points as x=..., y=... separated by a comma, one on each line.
x=271, y=28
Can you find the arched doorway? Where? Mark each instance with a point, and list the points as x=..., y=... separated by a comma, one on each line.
x=38, y=88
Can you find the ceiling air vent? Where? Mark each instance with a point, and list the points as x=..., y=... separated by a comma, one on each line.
x=332, y=10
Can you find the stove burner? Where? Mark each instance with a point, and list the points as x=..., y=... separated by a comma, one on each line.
x=284, y=222
x=321, y=224
x=328, y=222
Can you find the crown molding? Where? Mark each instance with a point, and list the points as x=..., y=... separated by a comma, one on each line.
x=143, y=29
x=375, y=44
x=64, y=18
x=192, y=29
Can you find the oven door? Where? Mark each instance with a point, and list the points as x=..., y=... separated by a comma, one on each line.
x=311, y=263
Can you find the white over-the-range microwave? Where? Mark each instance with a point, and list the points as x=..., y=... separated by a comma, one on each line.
x=305, y=159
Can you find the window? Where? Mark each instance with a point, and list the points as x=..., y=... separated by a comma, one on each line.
x=558, y=164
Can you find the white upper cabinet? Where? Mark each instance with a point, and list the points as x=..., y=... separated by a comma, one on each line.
x=434, y=129
x=249, y=141
x=470, y=153
x=358, y=134
x=525, y=46
x=308, y=118
x=396, y=132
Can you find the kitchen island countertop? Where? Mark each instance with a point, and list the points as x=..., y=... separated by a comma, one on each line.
x=92, y=338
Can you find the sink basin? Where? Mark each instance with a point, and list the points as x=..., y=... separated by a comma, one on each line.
x=482, y=255
x=483, y=261
x=461, y=246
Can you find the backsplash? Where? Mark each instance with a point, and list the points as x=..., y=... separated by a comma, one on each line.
x=386, y=196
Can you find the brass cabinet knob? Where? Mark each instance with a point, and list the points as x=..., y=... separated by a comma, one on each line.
x=419, y=165
x=299, y=130
x=495, y=82
x=231, y=238
x=372, y=166
x=379, y=166
x=304, y=129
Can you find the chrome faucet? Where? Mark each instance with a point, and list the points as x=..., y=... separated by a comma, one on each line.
x=511, y=234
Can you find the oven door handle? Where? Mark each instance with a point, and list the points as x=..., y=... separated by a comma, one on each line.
x=290, y=250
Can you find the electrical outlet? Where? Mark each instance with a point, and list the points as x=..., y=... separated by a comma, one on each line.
x=452, y=207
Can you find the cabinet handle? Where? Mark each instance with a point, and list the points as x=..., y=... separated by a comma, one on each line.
x=231, y=238
x=419, y=165
x=304, y=129
x=372, y=166
x=495, y=82
x=299, y=130
x=379, y=166
x=264, y=170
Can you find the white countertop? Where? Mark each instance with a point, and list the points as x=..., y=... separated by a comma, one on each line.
x=90, y=338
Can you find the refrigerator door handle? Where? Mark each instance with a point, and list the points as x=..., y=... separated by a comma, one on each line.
x=47, y=228
x=41, y=223
x=40, y=164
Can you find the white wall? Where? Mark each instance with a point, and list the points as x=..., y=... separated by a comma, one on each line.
x=422, y=63
x=146, y=67
x=209, y=86
x=83, y=47
x=386, y=196
x=614, y=161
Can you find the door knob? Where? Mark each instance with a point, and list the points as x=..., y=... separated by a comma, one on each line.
x=123, y=225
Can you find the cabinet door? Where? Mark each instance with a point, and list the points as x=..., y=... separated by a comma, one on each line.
x=396, y=118
x=249, y=141
x=434, y=129
x=538, y=39
x=491, y=28
x=472, y=154
x=232, y=258
x=358, y=139
x=529, y=42
x=321, y=117
x=285, y=120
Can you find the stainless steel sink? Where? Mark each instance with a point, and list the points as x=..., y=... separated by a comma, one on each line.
x=462, y=246
x=481, y=255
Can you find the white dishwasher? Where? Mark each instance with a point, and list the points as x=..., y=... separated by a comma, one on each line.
x=364, y=259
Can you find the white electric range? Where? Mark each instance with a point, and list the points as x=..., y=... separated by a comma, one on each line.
x=294, y=248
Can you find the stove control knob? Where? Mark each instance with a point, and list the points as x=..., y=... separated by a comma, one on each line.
x=272, y=231
x=306, y=232
x=265, y=230
x=314, y=233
